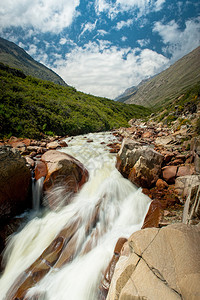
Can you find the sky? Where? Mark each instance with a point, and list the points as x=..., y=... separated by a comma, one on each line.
x=103, y=47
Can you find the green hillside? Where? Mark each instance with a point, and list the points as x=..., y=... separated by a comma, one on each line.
x=169, y=84
x=15, y=57
x=31, y=107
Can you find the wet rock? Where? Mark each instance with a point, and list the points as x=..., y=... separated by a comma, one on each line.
x=63, y=144
x=63, y=171
x=161, y=264
x=153, y=215
x=15, y=179
x=139, y=163
x=40, y=170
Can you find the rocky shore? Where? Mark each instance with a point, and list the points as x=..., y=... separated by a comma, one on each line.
x=163, y=162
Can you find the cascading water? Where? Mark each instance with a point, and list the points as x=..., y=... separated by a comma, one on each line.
x=106, y=208
x=37, y=186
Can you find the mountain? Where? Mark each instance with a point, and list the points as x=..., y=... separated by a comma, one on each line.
x=15, y=57
x=169, y=84
x=130, y=91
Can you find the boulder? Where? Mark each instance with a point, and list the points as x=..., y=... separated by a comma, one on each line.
x=159, y=264
x=15, y=179
x=63, y=171
x=184, y=184
x=195, y=149
x=53, y=145
x=139, y=163
x=169, y=173
x=191, y=212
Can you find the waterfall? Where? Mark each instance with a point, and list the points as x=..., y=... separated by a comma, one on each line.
x=37, y=186
x=107, y=207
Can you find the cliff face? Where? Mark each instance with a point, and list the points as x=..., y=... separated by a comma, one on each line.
x=16, y=57
x=169, y=84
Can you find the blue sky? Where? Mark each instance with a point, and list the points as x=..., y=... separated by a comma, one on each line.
x=102, y=47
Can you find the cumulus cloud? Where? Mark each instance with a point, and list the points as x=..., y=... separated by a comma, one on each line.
x=179, y=42
x=122, y=24
x=102, y=69
x=45, y=15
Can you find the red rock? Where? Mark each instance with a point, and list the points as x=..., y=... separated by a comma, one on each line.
x=153, y=215
x=169, y=173
x=161, y=184
x=89, y=141
x=63, y=170
x=40, y=170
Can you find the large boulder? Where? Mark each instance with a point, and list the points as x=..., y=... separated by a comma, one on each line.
x=159, y=264
x=15, y=179
x=64, y=172
x=139, y=163
x=184, y=184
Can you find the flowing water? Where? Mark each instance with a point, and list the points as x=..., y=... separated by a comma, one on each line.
x=121, y=211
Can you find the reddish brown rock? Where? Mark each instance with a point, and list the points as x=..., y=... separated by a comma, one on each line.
x=161, y=184
x=40, y=170
x=169, y=173
x=105, y=284
x=63, y=170
x=139, y=163
x=63, y=144
x=153, y=215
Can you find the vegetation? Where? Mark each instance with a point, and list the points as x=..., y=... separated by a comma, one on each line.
x=31, y=107
x=179, y=108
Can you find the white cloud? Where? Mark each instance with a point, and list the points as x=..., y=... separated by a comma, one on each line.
x=88, y=27
x=143, y=42
x=45, y=15
x=179, y=42
x=102, y=32
x=112, y=9
x=32, y=50
x=122, y=24
x=100, y=68
x=124, y=38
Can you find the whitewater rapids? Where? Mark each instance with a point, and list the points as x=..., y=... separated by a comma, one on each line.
x=122, y=211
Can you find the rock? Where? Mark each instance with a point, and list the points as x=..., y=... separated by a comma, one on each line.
x=160, y=264
x=40, y=170
x=169, y=173
x=185, y=170
x=191, y=212
x=53, y=145
x=161, y=184
x=164, y=140
x=184, y=184
x=105, y=283
x=139, y=163
x=195, y=149
x=63, y=144
x=15, y=179
x=153, y=215
x=30, y=161
x=63, y=171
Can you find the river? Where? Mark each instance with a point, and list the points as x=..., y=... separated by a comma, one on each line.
x=121, y=211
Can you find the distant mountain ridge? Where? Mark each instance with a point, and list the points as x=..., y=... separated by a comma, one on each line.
x=169, y=84
x=131, y=91
x=16, y=57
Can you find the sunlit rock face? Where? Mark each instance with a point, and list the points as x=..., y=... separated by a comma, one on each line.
x=139, y=163
x=159, y=264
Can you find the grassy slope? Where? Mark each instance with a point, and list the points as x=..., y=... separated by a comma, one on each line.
x=30, y=107
x=169, y=84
